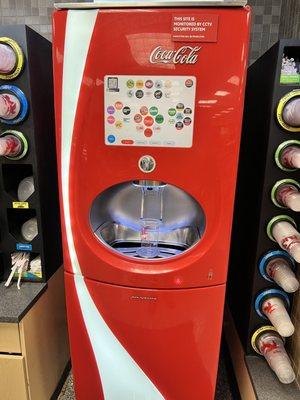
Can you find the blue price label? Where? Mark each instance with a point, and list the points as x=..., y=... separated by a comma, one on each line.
x=24, y=246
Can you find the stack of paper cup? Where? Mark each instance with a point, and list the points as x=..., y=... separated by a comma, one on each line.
x=272, y=348
x=8, y=59
x=291, y=113
x=280, y=271
x=290, y=157
x=29, y=229
x=35, y=265
x=10, y=146
x=9, y=106
x=25, y=188
x=289, y=196
x=274, y=309
x=287, y=237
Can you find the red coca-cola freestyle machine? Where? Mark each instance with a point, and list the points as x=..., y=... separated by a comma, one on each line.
x=149, y=102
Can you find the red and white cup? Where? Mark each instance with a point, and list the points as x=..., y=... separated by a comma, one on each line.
x=271, y=346
x=287, y=237
x=291, y=113
x=290, y=157
x=274, y=309
x=8, y=59
x=289, y=196
x=280, y=271
x=10, y=146
x=9, y=106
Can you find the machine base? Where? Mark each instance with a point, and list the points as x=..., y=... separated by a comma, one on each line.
x=143, y=344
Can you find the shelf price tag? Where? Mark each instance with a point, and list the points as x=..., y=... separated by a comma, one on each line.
x=20, y=204
x=23, y=247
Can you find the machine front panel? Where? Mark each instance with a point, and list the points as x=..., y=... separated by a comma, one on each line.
x=149, y=344
x=115, y=49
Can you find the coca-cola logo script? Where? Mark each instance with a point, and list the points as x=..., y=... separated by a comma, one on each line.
x=183, y=55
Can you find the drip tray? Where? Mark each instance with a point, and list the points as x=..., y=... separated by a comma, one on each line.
x=127, y=241
x=131, y=249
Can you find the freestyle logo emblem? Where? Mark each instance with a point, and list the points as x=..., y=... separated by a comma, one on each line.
x=184, y=55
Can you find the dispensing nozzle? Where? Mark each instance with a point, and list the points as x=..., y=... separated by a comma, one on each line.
x=282, y=229
x=151, y=216
x=268, y=343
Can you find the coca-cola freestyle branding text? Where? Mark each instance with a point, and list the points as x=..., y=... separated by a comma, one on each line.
x=183, y=55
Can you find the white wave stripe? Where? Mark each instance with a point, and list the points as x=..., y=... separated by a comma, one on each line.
x=120, y=375
x=79, y=29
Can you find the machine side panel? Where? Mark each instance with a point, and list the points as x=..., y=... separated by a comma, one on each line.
x=207, y=171
x=151, y=344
